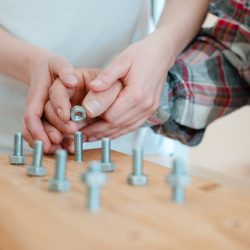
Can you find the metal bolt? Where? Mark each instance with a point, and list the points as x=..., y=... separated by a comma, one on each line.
x=178, y=180
x=106, y=164
x=59, y=183
x=36, y=169
x=78, y=146
x=18, y=158
x=94, y=179
x=77, y=113
x=137, y=178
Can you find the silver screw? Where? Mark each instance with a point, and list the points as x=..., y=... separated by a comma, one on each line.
x=59, y=183
x=36, y=169
x=18, y=158
x=78, y=146
x=178, y=180
x=137, y=178
x=77, y=113
x=94, y=179
x=106, y=164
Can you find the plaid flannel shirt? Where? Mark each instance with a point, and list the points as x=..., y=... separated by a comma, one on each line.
x=210, y=79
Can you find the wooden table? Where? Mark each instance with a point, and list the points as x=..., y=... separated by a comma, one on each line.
x=33, y=218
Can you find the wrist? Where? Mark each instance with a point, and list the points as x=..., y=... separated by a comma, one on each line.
x=35, y=58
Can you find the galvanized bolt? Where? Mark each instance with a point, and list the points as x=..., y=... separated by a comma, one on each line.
x=137, y=178
x=78, y=146
x=106, y=164
x=178, y=180
x=18, y=158
x=94, y=180
x=77, y=113
x=36, y=169
x=59, y=183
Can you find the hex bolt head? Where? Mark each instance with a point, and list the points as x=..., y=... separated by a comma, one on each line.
x=77, y=113
x=178, y=180
x=137, y=178
x=36, y=169
x=59, y=183
x=94, y=179
x=17, y=158
x=106, y=164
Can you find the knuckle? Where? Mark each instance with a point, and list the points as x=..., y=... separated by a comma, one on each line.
x=110, y=119
x=147, y=105
x=138, y=96
x=27, y=119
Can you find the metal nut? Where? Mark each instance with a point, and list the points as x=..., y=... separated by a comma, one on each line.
x=77, y=113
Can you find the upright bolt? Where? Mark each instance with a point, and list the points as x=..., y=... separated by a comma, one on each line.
x=59, y=183
x=178, y=180
x=36, y=169
x=18, y=158
x=106, y=164
x=94, y=180
x=78, y=146
x=137, y=178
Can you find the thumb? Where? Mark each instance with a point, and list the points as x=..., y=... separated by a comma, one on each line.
x=116, y=70
x=96, y=103
x=66, y=72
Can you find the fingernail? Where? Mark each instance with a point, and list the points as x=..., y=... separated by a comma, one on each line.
x=90, y=139
x=96, y=83
x=60, y=113
x=71, y=79
x=92, y=106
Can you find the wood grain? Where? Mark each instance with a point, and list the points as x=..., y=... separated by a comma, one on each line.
x=33, y=218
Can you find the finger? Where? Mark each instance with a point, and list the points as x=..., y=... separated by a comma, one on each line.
x=96, y=103
x=68, y=127
x=68, y=143
x=128, y=99
x=106, y=131
x=118, y=69
x=97, y=127
x=60, y=100
x=128, y=129
x=59, y=66
x=27, y=136
x=54, y=134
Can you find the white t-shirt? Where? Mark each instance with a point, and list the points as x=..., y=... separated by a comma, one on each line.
x=89, y=33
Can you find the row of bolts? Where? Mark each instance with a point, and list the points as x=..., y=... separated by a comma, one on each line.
x=94, y=177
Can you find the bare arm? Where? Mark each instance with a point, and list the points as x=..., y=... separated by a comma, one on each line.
x=17, y=56
x=179, y=23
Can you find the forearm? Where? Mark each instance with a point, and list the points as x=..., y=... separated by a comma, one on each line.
x=180, y=23
x=17, y=56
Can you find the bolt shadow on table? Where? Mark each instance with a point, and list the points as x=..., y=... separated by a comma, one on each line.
x=131, y=217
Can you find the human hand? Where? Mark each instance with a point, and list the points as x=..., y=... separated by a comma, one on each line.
x=142, y=68
x=43, y=71
x=62, y=99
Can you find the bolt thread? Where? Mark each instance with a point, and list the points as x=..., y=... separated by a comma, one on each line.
x=137, y=161
x=61, y=160
x=78, y=146
x=105, y=150
x=18, y=144
x=38, y=154
x=93, y=198
x=178, y=194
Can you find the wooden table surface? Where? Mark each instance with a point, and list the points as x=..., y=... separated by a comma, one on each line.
x=33, y=218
